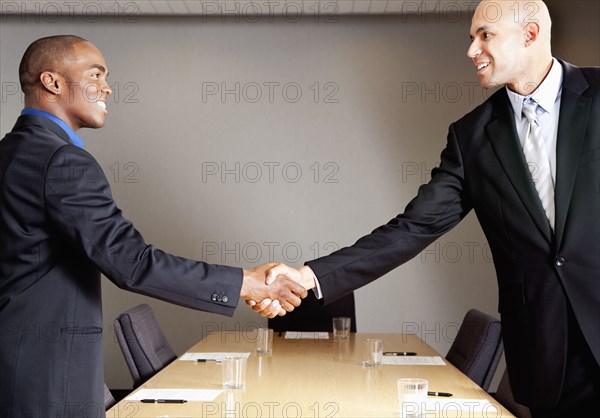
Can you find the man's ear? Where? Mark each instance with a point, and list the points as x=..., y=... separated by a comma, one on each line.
x=532, y=31
x=51, y=82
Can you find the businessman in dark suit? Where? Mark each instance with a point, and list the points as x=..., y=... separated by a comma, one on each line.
x=60, y=228
x=544, y=231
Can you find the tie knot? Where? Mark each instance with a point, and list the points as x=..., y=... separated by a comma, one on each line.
x=529, y=110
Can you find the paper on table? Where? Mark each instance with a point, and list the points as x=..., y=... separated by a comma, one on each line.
x=445, y=405
x=310, y=335
x=203, y=395
x=210, y=356
x=413, y=360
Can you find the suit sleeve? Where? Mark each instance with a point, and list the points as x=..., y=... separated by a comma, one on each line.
x=438, y=207
x=79, y=204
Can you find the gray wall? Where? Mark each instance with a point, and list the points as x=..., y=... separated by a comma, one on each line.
x=306, y=174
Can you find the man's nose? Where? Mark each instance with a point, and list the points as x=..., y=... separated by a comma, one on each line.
x=473, y=50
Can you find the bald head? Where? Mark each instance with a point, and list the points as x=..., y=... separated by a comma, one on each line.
x=518, y=13
x=510, y=43
x=46, y=54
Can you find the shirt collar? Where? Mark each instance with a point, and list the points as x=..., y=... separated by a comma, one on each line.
x=545, y=95
x=77, y=141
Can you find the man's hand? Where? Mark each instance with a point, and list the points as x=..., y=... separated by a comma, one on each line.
x=278, y=271
x=304, y=275
x=278, y=297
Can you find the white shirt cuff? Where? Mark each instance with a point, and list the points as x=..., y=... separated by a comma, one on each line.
x=317, y=288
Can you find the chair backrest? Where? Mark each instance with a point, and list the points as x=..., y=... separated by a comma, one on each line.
x=312, y=315
x=504, y=395
x=144, y=346
x=109, y=400
x=478, y=347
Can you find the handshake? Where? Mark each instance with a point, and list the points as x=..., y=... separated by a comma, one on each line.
x=274, y=288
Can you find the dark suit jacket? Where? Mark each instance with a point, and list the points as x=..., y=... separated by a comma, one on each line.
x=59, y=228
x=539, y=273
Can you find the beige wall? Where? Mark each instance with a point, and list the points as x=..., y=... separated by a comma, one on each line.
x=333, y=165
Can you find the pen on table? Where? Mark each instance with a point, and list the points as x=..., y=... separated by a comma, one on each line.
x=439, y=394
x=164, y=401
x=399, y=353
x=204, y=360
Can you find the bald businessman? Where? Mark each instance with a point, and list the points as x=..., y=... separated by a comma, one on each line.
x=60, y=228
x=528, y=162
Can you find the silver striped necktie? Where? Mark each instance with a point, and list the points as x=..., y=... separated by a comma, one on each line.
x=537, y=160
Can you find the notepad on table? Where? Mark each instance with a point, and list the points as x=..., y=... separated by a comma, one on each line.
x=460, y=404
x=413, y=360
x=307, y=335
x=210, y=356
x=202, y=395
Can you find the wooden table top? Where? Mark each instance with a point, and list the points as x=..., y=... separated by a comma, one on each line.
x=306, y=378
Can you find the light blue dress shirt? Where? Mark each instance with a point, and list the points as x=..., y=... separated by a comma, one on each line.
x=547, y=96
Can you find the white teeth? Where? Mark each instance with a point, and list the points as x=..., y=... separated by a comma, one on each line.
x=482, y=66
x=101, y=104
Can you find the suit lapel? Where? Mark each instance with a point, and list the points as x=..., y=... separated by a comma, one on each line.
x=572, y=124
x=502, y=134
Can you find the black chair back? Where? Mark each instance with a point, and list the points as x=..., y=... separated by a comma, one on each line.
x=144, y=346
x=312, y=315
x=109, y=399
x=478, y=347
x=504, y=395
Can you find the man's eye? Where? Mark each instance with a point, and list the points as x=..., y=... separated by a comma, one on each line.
x=486, y=35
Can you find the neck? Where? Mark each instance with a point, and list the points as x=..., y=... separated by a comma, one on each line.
x=53, y=110
x=534, y=78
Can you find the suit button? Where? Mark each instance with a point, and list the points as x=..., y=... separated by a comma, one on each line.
x=214, y=297
x=225, y=299
x=219, y=298
x=559, y=262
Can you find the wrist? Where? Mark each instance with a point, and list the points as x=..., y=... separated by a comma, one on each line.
x=308, y=277
x=245, y=290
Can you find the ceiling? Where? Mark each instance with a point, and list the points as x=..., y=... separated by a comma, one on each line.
x=249, y=9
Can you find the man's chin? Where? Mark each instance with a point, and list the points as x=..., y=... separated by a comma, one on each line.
x=97, y=124
x=488, y=84
x=485, y=83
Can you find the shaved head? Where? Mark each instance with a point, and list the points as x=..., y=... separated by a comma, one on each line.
x=518, y=13
x=66, y=76
x=46, y=54
x=510, y=43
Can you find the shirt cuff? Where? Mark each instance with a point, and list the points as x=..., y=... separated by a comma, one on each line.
x=317, y=288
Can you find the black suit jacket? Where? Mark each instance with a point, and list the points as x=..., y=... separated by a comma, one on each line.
x=59, y=228
x=539, y=273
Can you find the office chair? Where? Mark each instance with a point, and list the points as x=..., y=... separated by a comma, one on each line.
x=311, y=315
x=144, y=346
x=505, y=397
x=478, y=347
x=109, y=400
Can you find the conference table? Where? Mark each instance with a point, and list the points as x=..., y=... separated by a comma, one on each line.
x=309, y=376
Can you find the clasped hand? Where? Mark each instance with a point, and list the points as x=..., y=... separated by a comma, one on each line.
x=274, y=288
